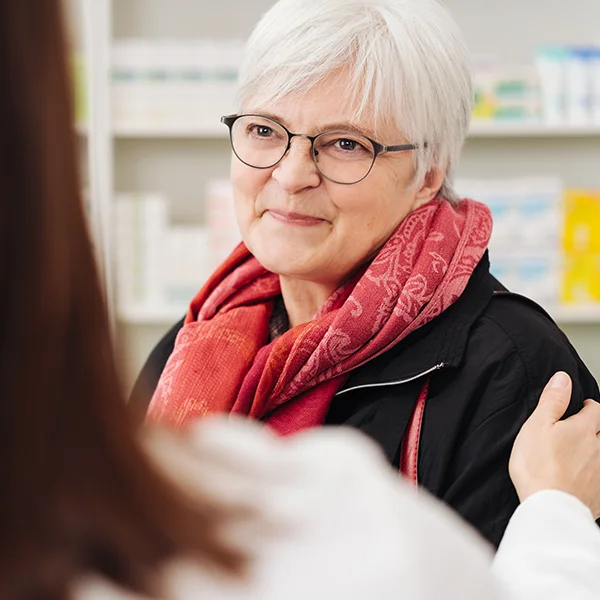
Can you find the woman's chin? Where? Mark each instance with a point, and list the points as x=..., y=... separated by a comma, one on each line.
x=286, y=259
x=280, y=266
x=286, y=254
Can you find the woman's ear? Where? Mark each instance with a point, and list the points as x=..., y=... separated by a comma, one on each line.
x=430, y=188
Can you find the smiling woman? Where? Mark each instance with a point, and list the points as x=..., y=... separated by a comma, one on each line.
x=361, y=295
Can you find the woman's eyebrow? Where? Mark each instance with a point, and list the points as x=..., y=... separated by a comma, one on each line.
x=336, y=126
x=268, y=115
x=347, y=126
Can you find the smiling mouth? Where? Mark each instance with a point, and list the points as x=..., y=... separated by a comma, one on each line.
x=292, y=218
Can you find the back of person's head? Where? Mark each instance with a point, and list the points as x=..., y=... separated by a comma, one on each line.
x=78, y=494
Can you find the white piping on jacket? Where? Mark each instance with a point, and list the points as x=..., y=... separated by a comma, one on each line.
x=388, y=383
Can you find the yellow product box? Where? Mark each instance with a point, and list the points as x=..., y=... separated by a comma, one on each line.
x=581, y=278
x=582, y=222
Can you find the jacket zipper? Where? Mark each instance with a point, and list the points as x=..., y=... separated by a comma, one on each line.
x=389, y=383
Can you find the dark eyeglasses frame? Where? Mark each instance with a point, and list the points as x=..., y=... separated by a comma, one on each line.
x=378, y=148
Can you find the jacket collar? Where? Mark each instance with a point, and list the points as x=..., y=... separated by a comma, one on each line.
x=439, y=344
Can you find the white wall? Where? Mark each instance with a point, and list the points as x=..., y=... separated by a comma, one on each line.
x=510, y=29
x=187, y=18
x=513, y=28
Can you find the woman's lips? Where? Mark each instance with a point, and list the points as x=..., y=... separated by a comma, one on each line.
x=292, y=218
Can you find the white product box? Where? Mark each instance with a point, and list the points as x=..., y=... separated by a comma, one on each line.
x=551, y=65
x=140, y=239
x=188, y=257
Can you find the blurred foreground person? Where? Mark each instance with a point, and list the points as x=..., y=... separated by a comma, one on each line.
x=89, y=513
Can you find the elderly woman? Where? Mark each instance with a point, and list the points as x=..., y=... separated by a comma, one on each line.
x=361, y=295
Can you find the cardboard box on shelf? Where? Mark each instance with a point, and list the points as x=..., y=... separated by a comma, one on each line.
x=582, y=222
x=581, y=281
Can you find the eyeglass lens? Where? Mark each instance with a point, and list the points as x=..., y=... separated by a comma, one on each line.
x=341, y=156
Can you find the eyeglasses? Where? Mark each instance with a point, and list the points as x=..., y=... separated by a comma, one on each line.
x=343, y=157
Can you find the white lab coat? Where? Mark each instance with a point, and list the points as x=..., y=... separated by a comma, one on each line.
x=332, y=521
x=550, y=551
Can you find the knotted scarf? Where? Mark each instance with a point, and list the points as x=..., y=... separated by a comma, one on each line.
x=224, y=362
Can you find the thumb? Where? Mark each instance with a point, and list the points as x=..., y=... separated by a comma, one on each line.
x=555, y=398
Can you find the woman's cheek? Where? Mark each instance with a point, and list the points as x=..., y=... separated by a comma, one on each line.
x=244, y=214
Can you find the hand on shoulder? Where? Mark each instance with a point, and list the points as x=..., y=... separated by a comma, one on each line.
x=560, y=455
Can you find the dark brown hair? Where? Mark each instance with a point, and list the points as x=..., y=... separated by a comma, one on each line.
x=77, y=493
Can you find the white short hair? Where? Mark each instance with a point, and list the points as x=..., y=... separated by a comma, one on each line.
x=408, y=60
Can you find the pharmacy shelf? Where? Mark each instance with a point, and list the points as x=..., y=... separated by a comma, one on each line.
x=477, y=131
x=216, y=131
x=484, y=130
x=573, y=315
x=563, y=315
x=151, y=316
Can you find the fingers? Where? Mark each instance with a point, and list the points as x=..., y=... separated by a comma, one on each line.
x=555, y=398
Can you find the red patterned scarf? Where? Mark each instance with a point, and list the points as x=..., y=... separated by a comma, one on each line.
x=223, y=361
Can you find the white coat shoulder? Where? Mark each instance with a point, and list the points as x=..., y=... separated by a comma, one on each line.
x=330, y=520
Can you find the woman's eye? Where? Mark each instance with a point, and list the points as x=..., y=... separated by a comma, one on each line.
x=348, y=144
x=261, y=130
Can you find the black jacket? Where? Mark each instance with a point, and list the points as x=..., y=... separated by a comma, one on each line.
x=487, y=357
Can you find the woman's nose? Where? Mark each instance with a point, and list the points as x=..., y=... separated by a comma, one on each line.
x=297, y=169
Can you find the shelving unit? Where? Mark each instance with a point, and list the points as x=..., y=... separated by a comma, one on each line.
x=218, y=131
x=179, y=160
x=154, y=317
x=564, y=315
x=478, y=131
x=539, y=130
x=576, y=315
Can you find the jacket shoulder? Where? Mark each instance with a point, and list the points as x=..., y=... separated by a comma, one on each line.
x=476, y=409
x=517, y=326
